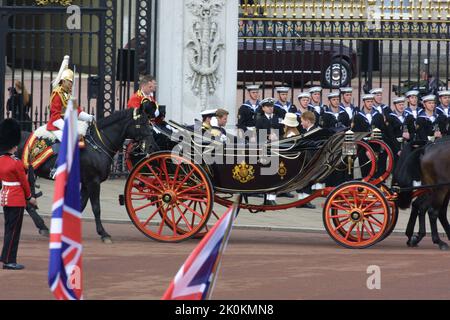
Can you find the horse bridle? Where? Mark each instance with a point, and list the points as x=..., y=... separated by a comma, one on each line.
x=108, y=151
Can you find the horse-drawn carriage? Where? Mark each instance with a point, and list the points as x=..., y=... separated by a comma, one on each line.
x=173, y=195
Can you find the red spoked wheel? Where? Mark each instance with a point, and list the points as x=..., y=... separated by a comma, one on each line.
x=371, y=165
x=390, y=160
x=168, y=198
x=393, y=212
x=356, y=215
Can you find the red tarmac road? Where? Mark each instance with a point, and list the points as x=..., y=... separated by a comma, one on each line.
x=257, y=265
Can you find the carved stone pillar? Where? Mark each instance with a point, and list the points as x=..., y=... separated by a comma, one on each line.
x=197, y=57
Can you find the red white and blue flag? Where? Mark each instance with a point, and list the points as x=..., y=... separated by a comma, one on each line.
x=195, y=279
x=64, y=271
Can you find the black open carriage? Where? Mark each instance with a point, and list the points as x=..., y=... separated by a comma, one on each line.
x=170, y=195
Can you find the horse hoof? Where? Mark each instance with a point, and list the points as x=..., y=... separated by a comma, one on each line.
x=444, y=247
x=44, y=233
x=107, y=240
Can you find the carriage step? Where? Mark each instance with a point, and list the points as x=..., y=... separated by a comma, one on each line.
x=121, y=199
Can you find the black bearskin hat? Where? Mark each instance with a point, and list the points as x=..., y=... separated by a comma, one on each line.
x=9, y=134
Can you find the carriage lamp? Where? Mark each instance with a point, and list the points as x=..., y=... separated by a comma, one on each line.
x=349, y=146
x=349, y=149
x=376, y=134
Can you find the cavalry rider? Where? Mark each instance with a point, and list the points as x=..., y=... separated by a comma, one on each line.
x=443, y=111
x=334, y=115
x=15, y=192
x=413, y=103
x=283, y=105
x=316, y=100
x=62, y=91
x=400, y=127
x=367, y=119
x=378, y=102
x=427, y=124
x=247, y=111
x=346, y=101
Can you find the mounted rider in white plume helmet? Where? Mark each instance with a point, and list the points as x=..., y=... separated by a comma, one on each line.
x=61, y=94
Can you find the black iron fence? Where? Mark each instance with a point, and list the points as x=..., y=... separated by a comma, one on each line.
x=397, y=45
x=110, y=43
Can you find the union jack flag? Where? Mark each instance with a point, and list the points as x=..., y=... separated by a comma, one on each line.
x=64, y=271
x=195, y=279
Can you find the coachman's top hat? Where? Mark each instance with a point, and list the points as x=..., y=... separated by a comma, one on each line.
x=10, y=134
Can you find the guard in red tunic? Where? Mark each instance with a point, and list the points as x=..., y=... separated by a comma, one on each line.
x=62, y=91
x=14, y=194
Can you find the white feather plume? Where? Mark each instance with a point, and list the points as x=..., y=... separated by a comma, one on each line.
x=64, y=66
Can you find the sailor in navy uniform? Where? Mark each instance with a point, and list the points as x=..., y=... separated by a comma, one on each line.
x=400, y=127
x=316, y=100
x=304, y=99
x=413, y=106
x=443, y=112
x=378, y=102
x=283, y=105
x=334, y=115
x=367, y=119
x=247, y=111
x=427, y=124
x=272, y=125
x=346, y=102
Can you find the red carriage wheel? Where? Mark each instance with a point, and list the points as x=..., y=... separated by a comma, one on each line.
x=168, y=197
x=356, y=215
x=393, y=217
x=390, y=161
x=371, y=160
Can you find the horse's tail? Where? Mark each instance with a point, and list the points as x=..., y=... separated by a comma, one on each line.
x=407, y=170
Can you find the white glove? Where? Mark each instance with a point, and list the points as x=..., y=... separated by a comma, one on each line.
x=59, y=124
x=83, y=116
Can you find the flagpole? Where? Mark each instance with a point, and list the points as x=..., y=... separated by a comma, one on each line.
x=216, y=267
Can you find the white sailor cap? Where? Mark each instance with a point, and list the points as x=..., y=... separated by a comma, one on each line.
x=253, y=87
x=412, y=93
x=315, y=89
x=346, y=90
x=304, y=95
x=376, y=91
x=368, y=97
x=267, y=101
x=399, y=100
x=444, y=93
x=210, y=112
x=333, y=95
x=282, y=89
x=430, y=97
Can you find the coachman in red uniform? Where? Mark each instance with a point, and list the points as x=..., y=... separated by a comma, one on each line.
x=15, y=192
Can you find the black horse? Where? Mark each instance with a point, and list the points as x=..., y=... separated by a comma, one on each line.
x=103, y=140
x=432, y=161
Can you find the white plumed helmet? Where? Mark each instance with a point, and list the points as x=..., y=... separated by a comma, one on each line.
x=64, y=66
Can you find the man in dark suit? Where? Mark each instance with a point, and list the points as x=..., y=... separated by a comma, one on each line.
x=271, y=126
x=268, y=120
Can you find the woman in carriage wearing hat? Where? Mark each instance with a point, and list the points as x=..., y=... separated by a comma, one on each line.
x=15, y=192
